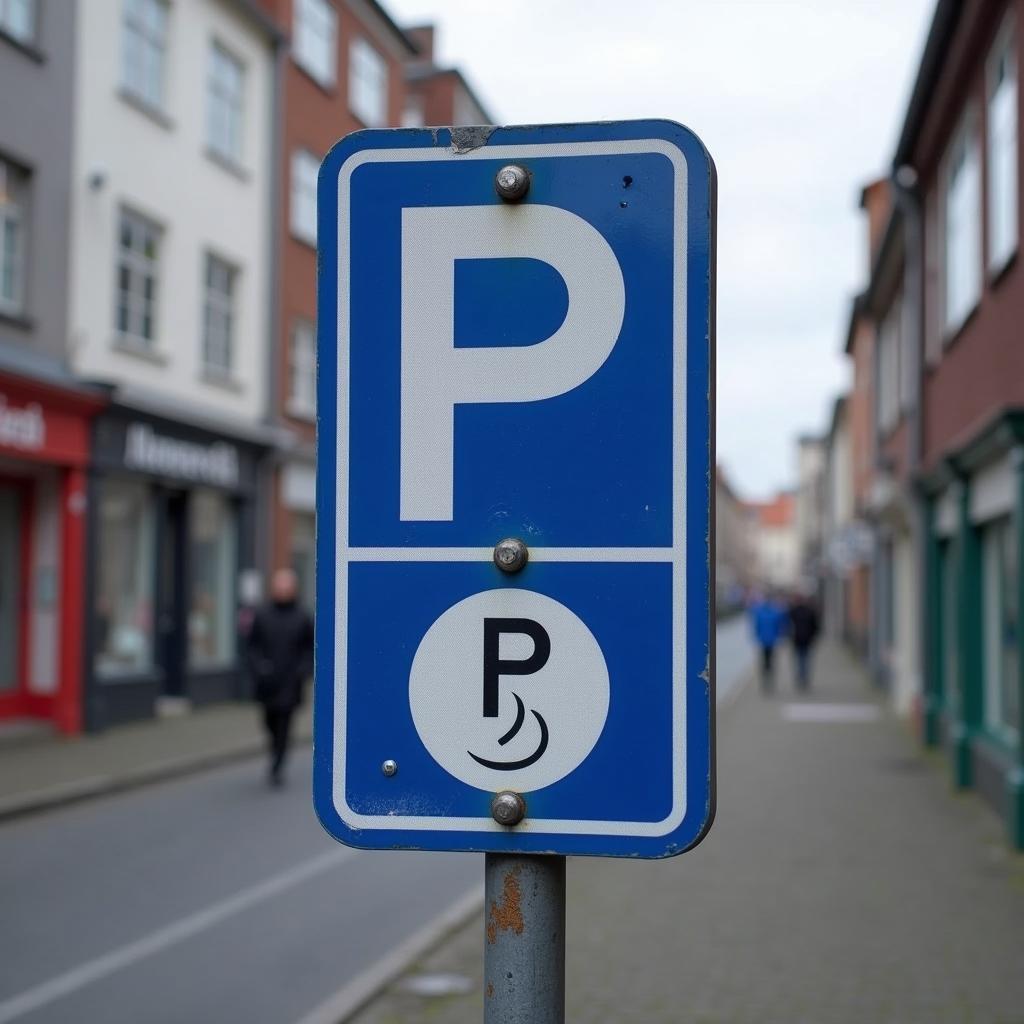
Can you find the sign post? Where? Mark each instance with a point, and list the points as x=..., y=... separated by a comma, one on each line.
x=515, y=644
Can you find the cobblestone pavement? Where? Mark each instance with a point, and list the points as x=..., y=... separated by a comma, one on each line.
x=843, y=881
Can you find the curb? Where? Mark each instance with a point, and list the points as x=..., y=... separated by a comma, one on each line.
x=79, y=790
x=364, y=988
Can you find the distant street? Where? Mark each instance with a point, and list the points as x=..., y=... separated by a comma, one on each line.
x=213, y=899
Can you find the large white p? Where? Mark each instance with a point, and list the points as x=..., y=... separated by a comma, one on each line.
x=437, y=376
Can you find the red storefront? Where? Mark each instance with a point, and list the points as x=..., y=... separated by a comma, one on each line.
x=44, y=450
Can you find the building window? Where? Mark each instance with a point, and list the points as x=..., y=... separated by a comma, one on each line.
x=367, y=84
x=889, y=369
x=213, y=558
x=962, y=212
x=124, y=579
x=144, y=50
x=12, y=238
x=224, y=104
x=218, y=315
x=18, y=19
x=1002, y=688
x=413, y=115
x=137, y=267
x=305, y=168
x=315, y=39
x=1002, y=150
x=302, y=371
x=949, y=676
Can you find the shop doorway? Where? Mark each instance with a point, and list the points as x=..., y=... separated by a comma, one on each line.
x=171, y=590
x=14, y=567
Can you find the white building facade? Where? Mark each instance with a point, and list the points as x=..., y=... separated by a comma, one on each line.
x=173, y=212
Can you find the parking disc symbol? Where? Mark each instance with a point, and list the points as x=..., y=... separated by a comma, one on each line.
x=509, y=690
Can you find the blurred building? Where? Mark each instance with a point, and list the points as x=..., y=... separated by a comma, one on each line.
x=436, y=95
x=935, y=416
x=776, y=544
x=810, y=500
x=45, y=414
x=734, y=570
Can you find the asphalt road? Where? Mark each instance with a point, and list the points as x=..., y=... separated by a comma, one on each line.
x=213, y=899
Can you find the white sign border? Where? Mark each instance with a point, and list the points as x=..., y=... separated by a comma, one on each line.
x=676, y=555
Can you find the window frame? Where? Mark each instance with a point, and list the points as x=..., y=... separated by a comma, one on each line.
x=367, y=70
x=304, y=57
x=13, y=186
x=966, y=136
x=1004, y=45
x=998, y=581
x=298, y=405
x=222, y=302
x=231, y=150
x=139, y=266
x=135, y=26
x=301, y=193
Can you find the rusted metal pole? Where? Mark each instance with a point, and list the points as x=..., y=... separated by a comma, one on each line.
x=524, y=939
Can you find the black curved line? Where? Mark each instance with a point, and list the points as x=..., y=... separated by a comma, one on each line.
x=510, y=766
x=517, y=724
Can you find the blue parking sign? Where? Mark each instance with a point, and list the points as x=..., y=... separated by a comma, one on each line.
x=537, y=369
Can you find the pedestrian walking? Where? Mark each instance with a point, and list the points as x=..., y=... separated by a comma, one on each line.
x=280, y=656
x=803, y=631
x=769, y=620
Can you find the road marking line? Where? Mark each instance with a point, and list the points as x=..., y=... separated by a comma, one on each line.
x=825, y=712
x=355, y=994
x=184, y=928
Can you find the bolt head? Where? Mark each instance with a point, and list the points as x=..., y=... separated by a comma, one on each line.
x=512, y=182
x=508, y=808
x=511, y=554
x=389, y=768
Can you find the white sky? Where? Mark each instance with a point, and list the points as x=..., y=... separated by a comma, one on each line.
x=799, y=102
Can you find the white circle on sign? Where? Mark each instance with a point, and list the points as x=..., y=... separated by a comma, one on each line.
x=509, y=690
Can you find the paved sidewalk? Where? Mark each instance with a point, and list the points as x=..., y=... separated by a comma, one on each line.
x=842, y=882
x=39, y=772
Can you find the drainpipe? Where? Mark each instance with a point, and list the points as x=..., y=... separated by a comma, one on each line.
x=908, y=199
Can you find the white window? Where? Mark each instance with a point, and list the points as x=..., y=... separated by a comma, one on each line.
x=413, y=115
x=999, y=596
x=1002, y=150
x=305, y=168
x=962, y=213
x=144, y=50
x=12, y=239
x=226, y=86
x=302, y=371
x=888, y=390
x=315, y=39
x=367, y=84
x=137, y=277
x=218, y=315
x=18, y=19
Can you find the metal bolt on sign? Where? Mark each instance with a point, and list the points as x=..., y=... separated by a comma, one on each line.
x=508, y=808
x=389, y=767
x=511, y=554
x=512, y=183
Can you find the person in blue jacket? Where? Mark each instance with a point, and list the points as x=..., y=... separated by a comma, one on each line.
x=769, y=618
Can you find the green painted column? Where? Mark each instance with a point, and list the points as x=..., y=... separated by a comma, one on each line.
x=932, y=710
x=1015, y=777
x=968, y=699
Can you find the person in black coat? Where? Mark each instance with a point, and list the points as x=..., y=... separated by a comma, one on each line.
x=803, y=630
x=279, y=649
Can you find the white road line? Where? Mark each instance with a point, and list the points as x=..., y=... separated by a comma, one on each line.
x=184, y=928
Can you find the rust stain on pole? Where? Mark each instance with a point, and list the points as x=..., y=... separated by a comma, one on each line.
x=508, y=917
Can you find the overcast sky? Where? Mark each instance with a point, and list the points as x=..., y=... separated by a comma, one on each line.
x=799, y=103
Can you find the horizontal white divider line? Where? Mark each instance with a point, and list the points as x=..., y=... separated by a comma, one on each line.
x=538, y=554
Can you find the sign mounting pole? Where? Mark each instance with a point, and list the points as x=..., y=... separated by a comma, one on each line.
x=524, y=939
